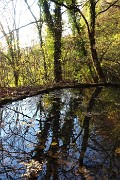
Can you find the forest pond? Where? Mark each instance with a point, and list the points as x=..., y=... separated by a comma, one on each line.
x=66, y=134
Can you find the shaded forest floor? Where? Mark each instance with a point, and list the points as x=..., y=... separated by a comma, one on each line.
x=9, y=94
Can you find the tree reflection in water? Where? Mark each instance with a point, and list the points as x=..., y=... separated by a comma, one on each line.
x=69, y=134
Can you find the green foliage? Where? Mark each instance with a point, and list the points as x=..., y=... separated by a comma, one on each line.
x=49, y=54
x=30, y=63
x=74, y=62
x=108, y=44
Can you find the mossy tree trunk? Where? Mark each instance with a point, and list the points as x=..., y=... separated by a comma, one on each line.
x=55, y=27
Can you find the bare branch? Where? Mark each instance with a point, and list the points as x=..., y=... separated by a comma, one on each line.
x=110, y=5
x=34, y=22
x=97, y=1
x=76, y=9
x=30, y=10
x=105, y=51
x=115, y=5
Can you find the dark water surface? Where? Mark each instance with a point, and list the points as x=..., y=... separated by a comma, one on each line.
x=67, y=134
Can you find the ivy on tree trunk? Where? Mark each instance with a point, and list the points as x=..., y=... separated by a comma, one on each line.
x=55, y=26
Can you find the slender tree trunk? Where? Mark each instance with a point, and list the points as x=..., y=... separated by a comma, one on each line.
x=57, y=60
x=87, y=123
x=43, y=54
x=55, y=26
x=16, y=77
x=93, y=75
x=57, y=44
x=39, y=26
x=77, y=26
x=95, y=58
x=93, y=43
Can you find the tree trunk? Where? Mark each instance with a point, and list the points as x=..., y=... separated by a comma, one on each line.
x=16, y=77
x=92, y=42
x=86, y=125
x=57, y=45
x=96, y=62
x=43, y=54
x=55, y=26
x=39, y=26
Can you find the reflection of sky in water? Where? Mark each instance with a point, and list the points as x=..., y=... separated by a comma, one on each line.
x=24, y=121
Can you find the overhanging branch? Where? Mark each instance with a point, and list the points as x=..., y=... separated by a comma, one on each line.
x=34, y=22
x=76, y=9
x=110, y=5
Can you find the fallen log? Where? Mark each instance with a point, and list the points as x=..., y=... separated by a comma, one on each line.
x=32, y=91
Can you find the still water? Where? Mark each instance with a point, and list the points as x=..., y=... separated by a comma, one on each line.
x=69, y=134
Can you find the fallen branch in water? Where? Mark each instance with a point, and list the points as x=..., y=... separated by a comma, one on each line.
x=8, y=95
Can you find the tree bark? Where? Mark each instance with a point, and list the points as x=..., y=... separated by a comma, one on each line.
x=16, y=77
x=55, y=26
x=96, y=62
x=91, y=33
x=57, y=44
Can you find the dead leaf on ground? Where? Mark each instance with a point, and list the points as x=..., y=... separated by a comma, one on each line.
x=117, y=151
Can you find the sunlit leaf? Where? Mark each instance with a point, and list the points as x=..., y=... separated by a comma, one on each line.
x=117, y=151
x=23, y=123
x=33, y=167
x=53, y=144
x=72, y=144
